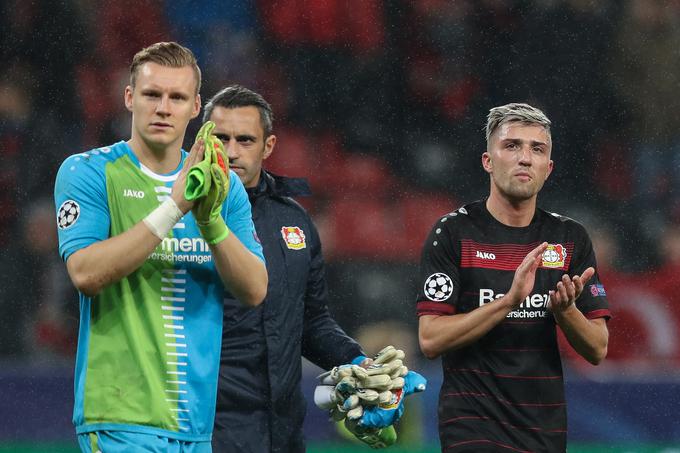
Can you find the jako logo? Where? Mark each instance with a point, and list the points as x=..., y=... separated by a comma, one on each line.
x=129, y=193
x=485, y=255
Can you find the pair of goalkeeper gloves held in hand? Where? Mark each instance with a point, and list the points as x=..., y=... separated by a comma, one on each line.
x=369, y=400
x=207, y=184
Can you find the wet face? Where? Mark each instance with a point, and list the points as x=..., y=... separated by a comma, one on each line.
x=241, y=132
x=518, y=160
x=162, y=103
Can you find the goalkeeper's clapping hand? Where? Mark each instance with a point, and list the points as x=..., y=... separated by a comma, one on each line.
x=208, y=184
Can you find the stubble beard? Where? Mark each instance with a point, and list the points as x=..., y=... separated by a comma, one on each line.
x=518, y=192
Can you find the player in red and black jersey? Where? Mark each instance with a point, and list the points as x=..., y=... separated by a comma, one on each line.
x=496, y=276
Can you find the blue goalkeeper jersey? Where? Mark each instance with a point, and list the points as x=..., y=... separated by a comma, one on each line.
x=149, y=344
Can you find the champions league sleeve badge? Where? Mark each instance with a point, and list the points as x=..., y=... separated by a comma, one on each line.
x=438, y=287
x=68, y=214
x=554, y=256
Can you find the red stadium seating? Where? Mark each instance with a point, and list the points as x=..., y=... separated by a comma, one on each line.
x=419, y=212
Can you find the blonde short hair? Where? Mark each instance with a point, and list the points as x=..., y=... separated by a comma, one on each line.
x=168, y=54
x=515, y=112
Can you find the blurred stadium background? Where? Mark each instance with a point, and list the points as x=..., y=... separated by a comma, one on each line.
x=381, y=104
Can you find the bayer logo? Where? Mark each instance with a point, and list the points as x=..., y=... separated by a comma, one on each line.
x=69, y=211
x=551, y=256
x=438, y=287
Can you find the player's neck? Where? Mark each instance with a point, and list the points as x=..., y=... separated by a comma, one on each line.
x=158, y=159
x=509, y=212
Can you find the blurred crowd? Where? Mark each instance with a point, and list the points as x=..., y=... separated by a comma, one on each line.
x=381, y=104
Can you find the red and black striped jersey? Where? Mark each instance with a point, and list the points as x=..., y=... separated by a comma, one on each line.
x=504, y=392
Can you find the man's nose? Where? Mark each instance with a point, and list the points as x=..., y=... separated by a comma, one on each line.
x=163, y=106
x=525, y=155
x=231, y=149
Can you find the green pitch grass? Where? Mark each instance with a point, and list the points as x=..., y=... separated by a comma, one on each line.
x=351, y=448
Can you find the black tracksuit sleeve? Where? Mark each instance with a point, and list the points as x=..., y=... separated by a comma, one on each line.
x=324, y=343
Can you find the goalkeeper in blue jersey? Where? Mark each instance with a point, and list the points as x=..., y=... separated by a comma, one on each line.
x=155, y=239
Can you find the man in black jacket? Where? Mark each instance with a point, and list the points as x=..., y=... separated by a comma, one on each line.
x=260, y=406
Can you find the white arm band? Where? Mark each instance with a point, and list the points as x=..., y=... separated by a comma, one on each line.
x=163, y=218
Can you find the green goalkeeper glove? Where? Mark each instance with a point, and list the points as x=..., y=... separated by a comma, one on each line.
x=208, y=184
x=373, y=437
x=198, y=178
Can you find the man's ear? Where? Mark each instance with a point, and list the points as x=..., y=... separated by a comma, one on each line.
x=127, y=96
x=269, y=144
x=487, y=164
x=197, y=106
